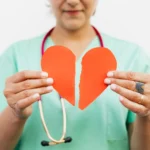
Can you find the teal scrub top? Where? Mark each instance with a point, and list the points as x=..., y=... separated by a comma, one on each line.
x=101, y=126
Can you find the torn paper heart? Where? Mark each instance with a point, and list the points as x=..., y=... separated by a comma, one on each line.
x=59, y=62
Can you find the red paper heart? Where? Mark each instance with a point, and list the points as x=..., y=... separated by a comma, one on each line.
x=59, y=62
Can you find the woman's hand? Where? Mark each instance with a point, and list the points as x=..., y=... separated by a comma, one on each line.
x=133, y=88
x=24, y=88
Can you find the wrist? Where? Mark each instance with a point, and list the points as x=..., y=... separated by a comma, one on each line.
x=144, y=118
x=15, y=117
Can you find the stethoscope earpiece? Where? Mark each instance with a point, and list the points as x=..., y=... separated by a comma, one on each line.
x=45, y=143
x=66, y=140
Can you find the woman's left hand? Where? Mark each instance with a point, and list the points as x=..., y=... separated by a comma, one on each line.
x=133, y=88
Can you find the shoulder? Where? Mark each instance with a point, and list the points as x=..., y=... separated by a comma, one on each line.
x=124, y=46
x=23, y=55
x=23, y=46
x=118, y=43
x=129, y=55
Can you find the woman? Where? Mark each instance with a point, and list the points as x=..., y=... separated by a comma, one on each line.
x=107, y=124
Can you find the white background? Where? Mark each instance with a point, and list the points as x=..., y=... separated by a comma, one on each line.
x=125, y=19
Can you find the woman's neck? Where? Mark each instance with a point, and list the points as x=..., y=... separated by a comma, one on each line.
x=61, y=34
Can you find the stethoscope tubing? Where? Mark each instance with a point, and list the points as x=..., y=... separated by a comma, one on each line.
x=62, y=139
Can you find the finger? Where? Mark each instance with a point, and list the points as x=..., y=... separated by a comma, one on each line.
x=135, y=76
x=123, y=83
x=131, y=85
x=24, y=103
x=131, y=95
x=27, y=93
x=136, y=108
x=24, y=75
x=31, y=84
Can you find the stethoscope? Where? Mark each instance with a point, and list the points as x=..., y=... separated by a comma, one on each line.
x=63, y=139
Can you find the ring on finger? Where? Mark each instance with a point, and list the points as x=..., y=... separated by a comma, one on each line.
x=141, y=101
x=139, y=87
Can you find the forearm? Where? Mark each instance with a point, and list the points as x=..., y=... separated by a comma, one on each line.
x=140, y=139
x=10, y=129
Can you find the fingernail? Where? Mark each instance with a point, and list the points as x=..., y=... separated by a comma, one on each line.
x=49, y=88
x=120, y=98
x=36, y=95
x=49, y=80
x=44, y=74
x=110, y=74
x=113, y=86
x=107, y=81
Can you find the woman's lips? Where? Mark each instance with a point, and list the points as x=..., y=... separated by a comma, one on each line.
x=73, y=12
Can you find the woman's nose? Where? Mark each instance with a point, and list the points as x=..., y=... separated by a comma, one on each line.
x=73, y=3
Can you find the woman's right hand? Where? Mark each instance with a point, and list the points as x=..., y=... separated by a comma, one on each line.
x=24, y=88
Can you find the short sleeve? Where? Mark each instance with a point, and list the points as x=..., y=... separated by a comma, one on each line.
x=131, y=117
x=7, y=69
x=141, y=64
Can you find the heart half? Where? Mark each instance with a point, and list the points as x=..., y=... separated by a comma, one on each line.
x=95, y=65
x=59, y=63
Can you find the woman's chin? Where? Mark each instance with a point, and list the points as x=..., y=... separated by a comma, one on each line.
x=72, y=26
